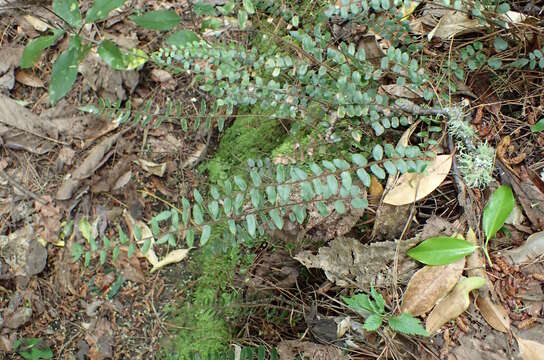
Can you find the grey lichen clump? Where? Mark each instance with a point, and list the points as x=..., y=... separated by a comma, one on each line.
x=475, y=162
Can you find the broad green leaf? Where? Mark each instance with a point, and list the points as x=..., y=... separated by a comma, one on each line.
x=345, y=176
x=87, y=260
x=307, y=191
x=251, y=224
x=103, y=257
x=157, y=20
x=134, y=58
x=242, y=19
x=248, y=6
x=441, y=250
x=407, y=324
x=497, y=210
x=339, y=206
x=146, y=246
x=182, y=38
x=213, y=207
x=115, y=254
x=358, y=203
x=378, y=300
x=101, y=9
x=378, y=171
x=494, y=62
x=271, y=194
x=300, y=213
x=35, y=48
x=190, y=237
x=68, y=10
x=206, y=232
x=358, y=160
x=240, y=182
x=111, y=54
x=358, y=302
x=276, y=218
x=85, y=229
x=131, y=249
x=538, y=127
x=64, y=72
x=373, y=322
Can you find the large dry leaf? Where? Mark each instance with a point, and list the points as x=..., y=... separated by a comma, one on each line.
x=412, y=187
x=21, y=118
x=454, y=304
x=530, y=350
x=151, y=167
x=429, y=285
x=346, y=262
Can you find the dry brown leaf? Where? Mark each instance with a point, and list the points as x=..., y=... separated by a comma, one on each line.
x=376, y=188
x=530, y=350
x=151, y=167
x=453, y=23
x=28, y=79
x=454, y=304
x=429, y=285
x=36, y=23
x=412, y=187
x=402, y=91
x=495, y=314
x=172, y=257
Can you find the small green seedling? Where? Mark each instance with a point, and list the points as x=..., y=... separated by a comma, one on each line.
x=373, y=309
x=30, y=349
x=496, y=212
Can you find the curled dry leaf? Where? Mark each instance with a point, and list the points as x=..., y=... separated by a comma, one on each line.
x=146, y=234
x=152, y=168
x=172, y=257
x=454, y=304
x=28, y=79
x=530, y=350
x=412, y=187
x=429, y=285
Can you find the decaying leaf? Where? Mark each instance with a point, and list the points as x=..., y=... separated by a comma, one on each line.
x=195, y=157
x=347, y=261
x=429, y=285
x=36, y=23
x=529, y=251
x=453, y=23
x=412, y=187
x=454, y=304
x=152, y=168
x=146, y=234
x=495, y=314
x=530, y=350
x=28, y=79
x=172, y=257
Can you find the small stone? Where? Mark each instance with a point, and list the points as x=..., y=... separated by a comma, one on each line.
x=18, y=318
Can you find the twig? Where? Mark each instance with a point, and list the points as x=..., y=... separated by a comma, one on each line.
x=21, y=188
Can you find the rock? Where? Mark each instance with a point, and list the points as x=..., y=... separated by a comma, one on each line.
x=24, y=255
x=18, y=318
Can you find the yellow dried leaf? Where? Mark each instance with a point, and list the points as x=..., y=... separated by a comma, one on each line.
x=412, y=187
x=495, y=314
x=429, y=285
x=171, y=258
x=146, y=234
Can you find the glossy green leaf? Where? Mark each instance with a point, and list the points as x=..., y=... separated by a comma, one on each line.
x=182, y=38
x=197, y=214
x=377, y=152
x=340, y=207
x=111, y=54
x=69, y=11
x=407, y=324
x=157, y=20
x=364, y=177
x=497, y=210
x=35, y=48
x=240, y=182
x=345, y=176
x=538, y=127
x=378, y=171
x=332, y=183
x=358, y=203
x=494, y=62
x=64, y=72
x=500, y=44
x=441, y=250
x=101, y=9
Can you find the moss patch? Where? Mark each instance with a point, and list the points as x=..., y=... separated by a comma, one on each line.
x=251, y=136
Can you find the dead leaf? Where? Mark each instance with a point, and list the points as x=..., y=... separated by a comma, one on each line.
x=151, y=167
x=411, y=187
x=376, y=188
x=429, y=285
x=146, y=234
x=36, y=23
x=28, y=79
x=495, y=314
x=530, y=350
x=195, y=157
x=160, y=75
x=454, y=304
x=373, y=51
x=172, y=257
x=453, y=23
x=347, y=261
x=402, y=91
x=529, y=251
x=21, y=118
x=96, y=158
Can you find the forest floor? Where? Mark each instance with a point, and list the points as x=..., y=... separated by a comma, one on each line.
x=272, y=293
